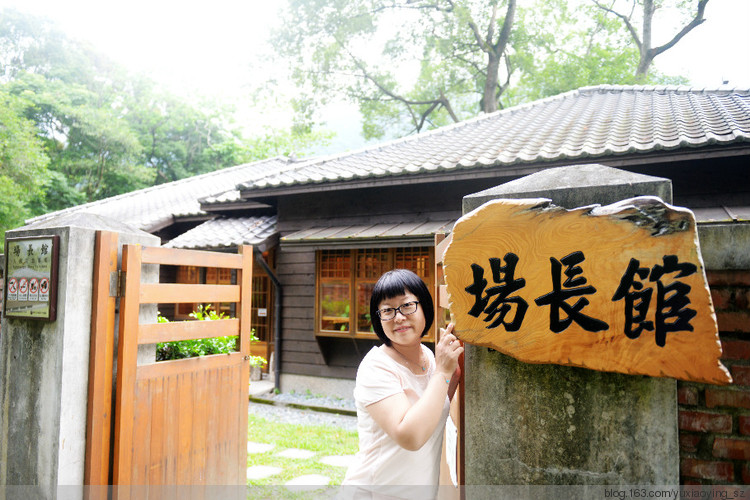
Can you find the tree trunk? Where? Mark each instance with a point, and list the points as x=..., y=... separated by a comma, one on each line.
x=647, y=55
x=489, y=101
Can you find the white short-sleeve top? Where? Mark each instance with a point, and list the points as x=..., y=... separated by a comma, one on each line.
x=380, y=460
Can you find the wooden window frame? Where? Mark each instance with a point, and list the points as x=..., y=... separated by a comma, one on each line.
x=370, y=276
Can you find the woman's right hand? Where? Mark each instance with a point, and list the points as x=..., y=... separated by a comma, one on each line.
x=447, y=352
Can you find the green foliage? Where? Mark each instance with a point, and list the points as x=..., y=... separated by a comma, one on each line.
x=203, y=347
x=78, y=127
x=23, y=163
x=417, y=64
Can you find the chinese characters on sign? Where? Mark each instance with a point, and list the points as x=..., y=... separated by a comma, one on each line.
x=672, y=307
x=618, y=288
x=31, y=277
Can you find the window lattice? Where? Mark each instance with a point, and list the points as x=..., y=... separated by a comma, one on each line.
x=371, y=263
x=415, y=259
x=335, y=264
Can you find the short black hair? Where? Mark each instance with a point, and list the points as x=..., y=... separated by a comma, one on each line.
x=392, y=284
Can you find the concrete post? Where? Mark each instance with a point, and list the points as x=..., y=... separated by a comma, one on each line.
x=44, y=365
x=552, y=424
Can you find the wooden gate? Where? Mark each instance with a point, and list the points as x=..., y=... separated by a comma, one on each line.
x=181, y=422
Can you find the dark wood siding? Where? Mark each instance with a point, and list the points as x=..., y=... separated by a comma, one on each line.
x=302, y=352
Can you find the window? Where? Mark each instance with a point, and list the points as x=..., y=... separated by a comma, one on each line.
x=346, y=279
x=209, y=275
x=191, y=275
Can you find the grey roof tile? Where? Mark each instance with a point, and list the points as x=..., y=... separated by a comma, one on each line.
x=586, y=123
x=225, y=232
x=369, y=231
x=150, y=208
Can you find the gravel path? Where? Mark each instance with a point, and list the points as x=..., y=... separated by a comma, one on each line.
x=280, y=413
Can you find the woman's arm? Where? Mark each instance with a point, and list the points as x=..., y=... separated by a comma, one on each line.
x=412, y=425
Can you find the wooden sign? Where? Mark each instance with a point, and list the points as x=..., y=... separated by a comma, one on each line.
x=618, y=288
x=31, y=277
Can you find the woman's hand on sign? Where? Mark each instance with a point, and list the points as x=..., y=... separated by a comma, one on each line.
x=447, y=352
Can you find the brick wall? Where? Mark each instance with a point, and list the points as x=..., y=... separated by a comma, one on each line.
x=714, y=421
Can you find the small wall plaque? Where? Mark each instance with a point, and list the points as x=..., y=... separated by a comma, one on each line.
x=31, y=277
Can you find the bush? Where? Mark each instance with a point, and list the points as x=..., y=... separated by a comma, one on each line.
x=182, y=349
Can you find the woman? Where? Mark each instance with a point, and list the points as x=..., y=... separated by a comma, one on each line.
x=402, y=392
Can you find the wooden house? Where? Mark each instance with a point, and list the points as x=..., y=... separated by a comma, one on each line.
x=328, y=227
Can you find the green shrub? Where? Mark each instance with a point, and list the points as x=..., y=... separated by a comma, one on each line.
x=182, y=349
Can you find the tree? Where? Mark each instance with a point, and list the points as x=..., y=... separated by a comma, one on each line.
x=460, y=57
x=646, y=10
x=85, y=136
x=106, y=131
x=23, y=164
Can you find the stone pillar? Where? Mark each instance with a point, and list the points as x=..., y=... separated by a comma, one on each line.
x=44, y=365
x=552, y=424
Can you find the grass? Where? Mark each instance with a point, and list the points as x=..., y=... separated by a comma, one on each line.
x=323, y=440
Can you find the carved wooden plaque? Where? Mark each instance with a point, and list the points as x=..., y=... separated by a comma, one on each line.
x=618, y=288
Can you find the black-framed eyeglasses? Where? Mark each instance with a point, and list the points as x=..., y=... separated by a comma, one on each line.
x=388, y=313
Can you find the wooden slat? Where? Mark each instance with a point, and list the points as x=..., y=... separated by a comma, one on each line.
x=168, y=293
x=198, y=453
x=142, y=431
x=172, y=368
x=245, y=279
x=187, y=330
x=182, y=257
x=126, y=366
x=212, y=457
x=442, y=296
x=441, y=246
x=101, y=360
x=460, y=467
x=171, y=445
x=185, y=429
x=158, y=430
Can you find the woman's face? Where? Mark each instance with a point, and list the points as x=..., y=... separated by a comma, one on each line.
x=403, y=330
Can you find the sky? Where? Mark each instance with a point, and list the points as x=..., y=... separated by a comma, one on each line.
x=212, y=47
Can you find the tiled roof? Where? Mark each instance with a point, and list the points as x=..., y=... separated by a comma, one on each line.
x=227, y=233
x=151, y=208
x=383, y=231
x=588, y=123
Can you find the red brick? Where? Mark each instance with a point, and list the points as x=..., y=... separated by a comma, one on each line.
x=721, y=298
x=745, y=425
x=733, y=321
x=735, y=349
x=687, y=395
x=723, y=397
x=746, y=474
x=728, y=278
x=735, y=449
x=703, y=469
x=698, y=421
x=689, y=442
x=740, y=375
x=741, y=298
x=730, y=298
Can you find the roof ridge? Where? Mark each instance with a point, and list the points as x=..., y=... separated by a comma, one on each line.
x=657, y=87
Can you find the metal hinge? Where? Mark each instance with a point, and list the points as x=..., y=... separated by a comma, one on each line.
x=117, y=283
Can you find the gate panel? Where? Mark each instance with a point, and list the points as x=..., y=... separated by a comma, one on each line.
x=183, y=421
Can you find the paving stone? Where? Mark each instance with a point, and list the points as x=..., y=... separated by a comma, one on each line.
x=262, y=471
x=338, y=460
x=309, y=482
x=259, y=447
x=296, y=453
